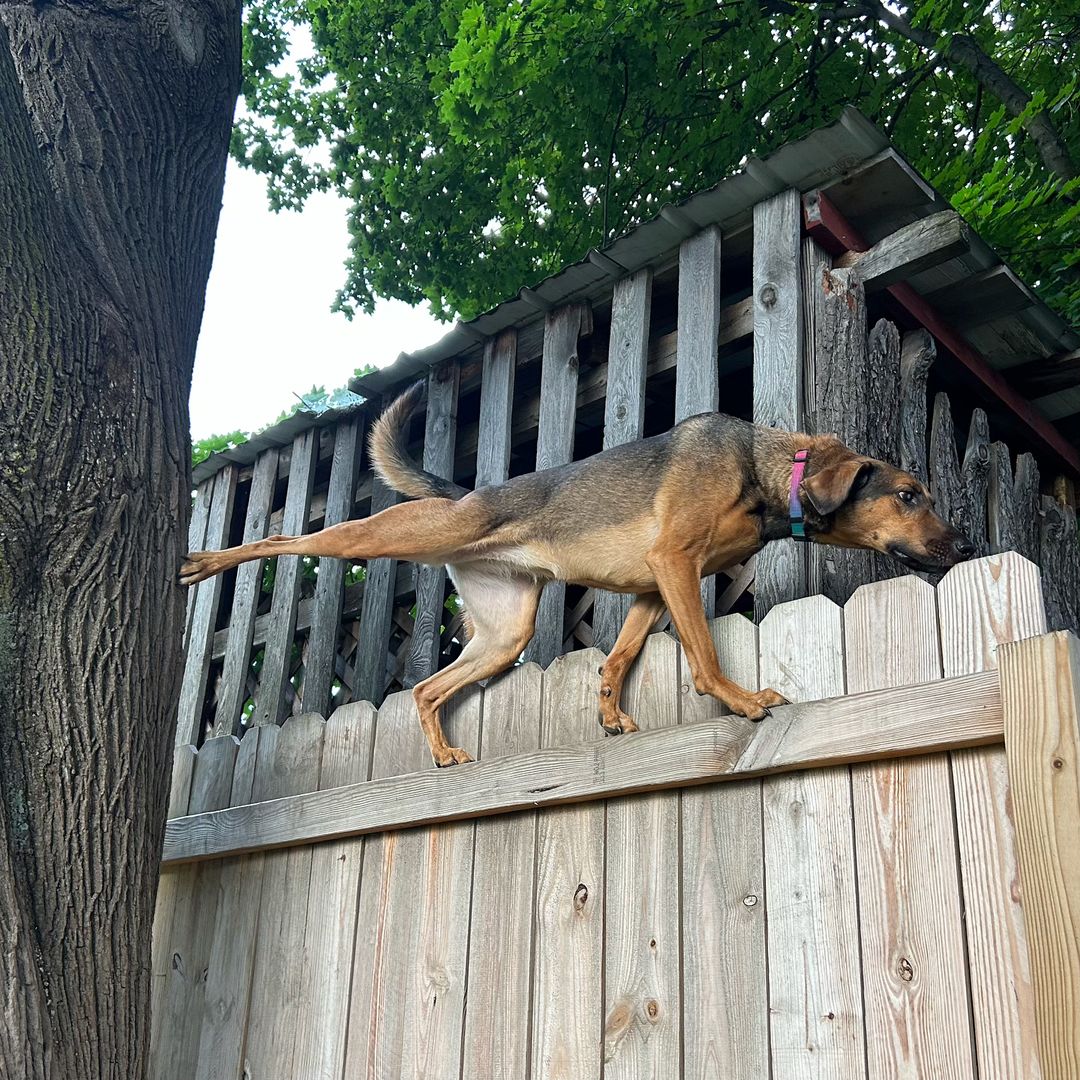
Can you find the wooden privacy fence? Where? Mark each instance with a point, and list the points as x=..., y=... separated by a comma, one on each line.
x=882, y=880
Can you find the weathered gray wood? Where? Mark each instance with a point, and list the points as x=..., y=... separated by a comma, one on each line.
x=840, y=407
x=496, y=409
x=913, y=248
x=555, y=446
x=1051, y=533
x=624, y=413
x=317, y=695
x=232, y=691
x=440, y=434
x=1001, y=517
x=883, y=405
x=200, y=514
x=946, y=482
x=200, y=639
x=496, y=1038
x=917, y=353
x=976, y=470
x=778, y=369
x=370, y=677
x=270, y=706
x=859, y=727
x=1026, y=507
x=911, y=928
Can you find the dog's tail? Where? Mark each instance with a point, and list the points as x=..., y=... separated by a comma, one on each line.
x=390, y=453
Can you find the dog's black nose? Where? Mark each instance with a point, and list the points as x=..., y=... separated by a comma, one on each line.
x=963, y=547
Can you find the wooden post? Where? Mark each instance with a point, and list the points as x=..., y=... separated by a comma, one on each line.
x=1040, y=687
x=440, y=435
x=778, y=369
x=883, y=403
x=555, y=446
x=624, y=412
x=496, y=409
x=369, y=682
x=917, y=354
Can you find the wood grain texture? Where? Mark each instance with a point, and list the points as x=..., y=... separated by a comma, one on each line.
x=918, y=351
x=270, y=705
x=642, y=998
x=496, y=1034
x=568, y=1003
x=924, y=243
x=883, y=404
x=946, y=481
x=204, y=612
x=333, y=893
x=440, y=436
x=725, y=976
x=778, y=369
x=915, y=989
x=1001, y=516
x=1040, y=680
x=228, y=978
x=815, y=1000
x=233, y=691
x=200, y=514
x=950, y=713
x=370, y=677
x=976, y=470
x=322, y=644
x=496, y=409
x=405, y=1014
x=624, y=412
x=555, y=446
x=981, y=605
x=277, y=990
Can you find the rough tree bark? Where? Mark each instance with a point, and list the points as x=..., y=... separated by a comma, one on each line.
x=114, y=126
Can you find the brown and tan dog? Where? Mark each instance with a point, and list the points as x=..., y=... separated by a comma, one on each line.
x=650, y=518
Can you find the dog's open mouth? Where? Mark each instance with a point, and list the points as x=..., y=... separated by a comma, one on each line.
x=914, y=562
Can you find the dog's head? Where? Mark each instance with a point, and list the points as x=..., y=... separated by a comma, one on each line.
x=866, y=503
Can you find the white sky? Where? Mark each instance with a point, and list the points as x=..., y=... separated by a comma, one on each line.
x=268, y=332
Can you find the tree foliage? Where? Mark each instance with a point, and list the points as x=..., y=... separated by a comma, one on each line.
x=483, y=144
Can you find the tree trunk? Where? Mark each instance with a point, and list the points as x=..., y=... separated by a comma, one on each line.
x=113, y=140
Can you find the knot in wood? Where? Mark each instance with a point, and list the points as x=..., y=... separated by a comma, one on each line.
x=652, y=1009
x=750, y=900
x=581, y=896
x=905, y=970
x=620, y=412
x=1058, y=763
x=767, y=294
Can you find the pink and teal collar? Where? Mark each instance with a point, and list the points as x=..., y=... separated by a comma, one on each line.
x=795, y=510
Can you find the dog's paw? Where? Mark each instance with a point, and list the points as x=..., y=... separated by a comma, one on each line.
x=756, y=706
x=451, y=755
x=619, y=724
x=198, y=566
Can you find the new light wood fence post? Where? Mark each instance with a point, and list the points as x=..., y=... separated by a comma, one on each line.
x=1040, y=686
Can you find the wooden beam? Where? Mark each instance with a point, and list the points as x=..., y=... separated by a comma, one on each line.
x=1040, y=685
x=824, y=222
x=910, y=250
x=981, y=298
x=1038, y=378
x=940, y=715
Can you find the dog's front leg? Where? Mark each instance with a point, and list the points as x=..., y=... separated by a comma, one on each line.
x=641, y=618
x=678, y=575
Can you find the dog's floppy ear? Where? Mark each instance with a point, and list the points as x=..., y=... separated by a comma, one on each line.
x=830, y=488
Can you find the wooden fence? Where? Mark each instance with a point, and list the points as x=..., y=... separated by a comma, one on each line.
x=882, y=881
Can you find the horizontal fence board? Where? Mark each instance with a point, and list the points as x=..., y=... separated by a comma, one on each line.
x=950, y=713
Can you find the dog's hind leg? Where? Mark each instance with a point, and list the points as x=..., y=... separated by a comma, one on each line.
x=642, y=617
x=428, y=530
x=502, y=610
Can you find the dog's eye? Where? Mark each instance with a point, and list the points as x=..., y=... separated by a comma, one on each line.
x=906, y=496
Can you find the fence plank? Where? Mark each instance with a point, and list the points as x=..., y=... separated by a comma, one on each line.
x=815, y=1005
x=1026, y=507
x=725, y=978
x=778, y=368
x=245, y=606
x=883, y=402
x=191, y=935
x=200, y=514
x=555, y=446
x=840, y=407
x=440, y=435
x=496, y=409
x=982, y=604
x=200, y=639
x=976, y=467
x=370, y=678
x=1040, y=680
x=496, y=1039
x=624, y=412
x=946, y=482
x=322, y=644
x=411, y=939
x=999, y=505
x=568, y=967
x=915, y=988
x=228, y=977
x=277, y=992
x=333, y=894
x=917, y=353
x=643, y=1007
x=277, y=659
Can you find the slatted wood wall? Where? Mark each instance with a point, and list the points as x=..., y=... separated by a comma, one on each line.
x=856, y=921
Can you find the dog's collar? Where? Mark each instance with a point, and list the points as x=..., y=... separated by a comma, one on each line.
x=795, y=510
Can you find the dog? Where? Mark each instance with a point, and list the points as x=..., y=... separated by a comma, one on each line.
x=650, y=518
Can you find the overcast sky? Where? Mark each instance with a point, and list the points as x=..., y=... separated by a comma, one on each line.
x=268, y=331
